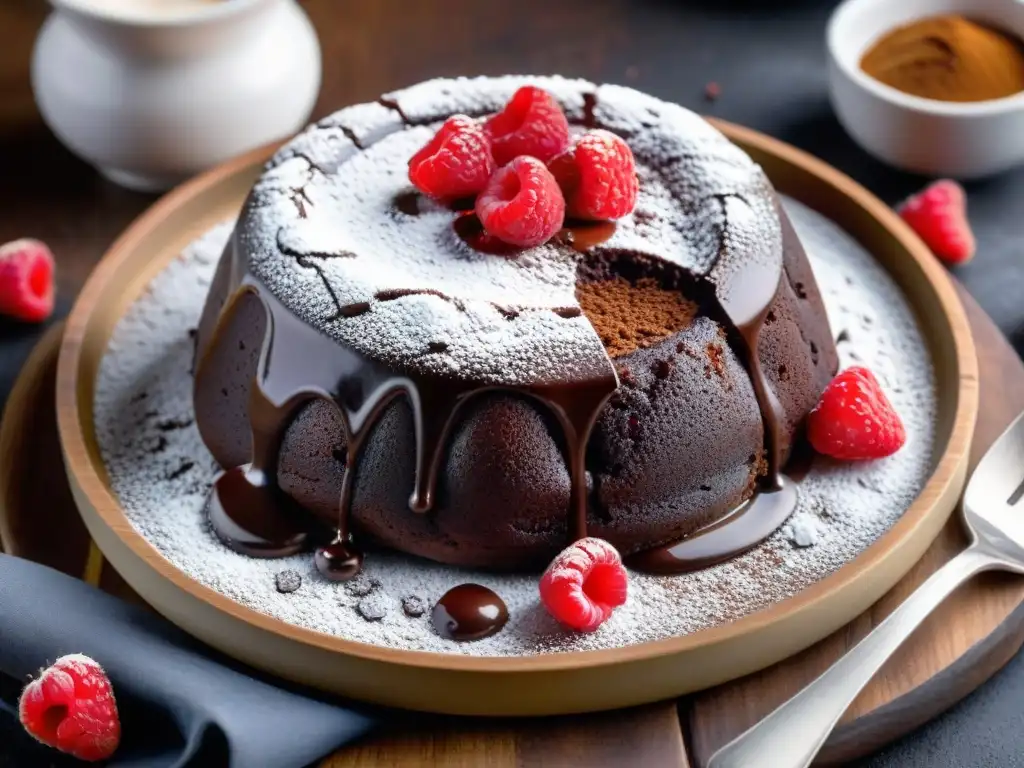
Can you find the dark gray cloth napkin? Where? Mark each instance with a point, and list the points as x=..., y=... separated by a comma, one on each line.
x=180, y=703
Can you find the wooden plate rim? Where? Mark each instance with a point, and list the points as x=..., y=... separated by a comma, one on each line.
x=85, y=466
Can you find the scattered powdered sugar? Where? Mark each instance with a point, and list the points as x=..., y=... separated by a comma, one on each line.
x=161, y=472
x=802, y=529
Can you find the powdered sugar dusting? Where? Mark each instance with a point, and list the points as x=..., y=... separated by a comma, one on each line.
x=161, y=472
x=378, y=289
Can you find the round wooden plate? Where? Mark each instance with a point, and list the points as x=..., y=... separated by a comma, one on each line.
x=542, y=684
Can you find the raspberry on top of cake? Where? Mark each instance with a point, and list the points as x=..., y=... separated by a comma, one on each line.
x=398, y=285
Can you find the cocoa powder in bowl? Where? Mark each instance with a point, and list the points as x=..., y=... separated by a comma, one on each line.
x=948, y=58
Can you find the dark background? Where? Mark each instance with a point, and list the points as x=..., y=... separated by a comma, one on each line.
x=768, y=59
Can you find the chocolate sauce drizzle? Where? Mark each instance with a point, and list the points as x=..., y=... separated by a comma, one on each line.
x=750, y=523
x=297, y=364
x=745, y=301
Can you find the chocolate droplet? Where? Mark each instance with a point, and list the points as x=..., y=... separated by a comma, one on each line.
x=339, y=560
x=469, y=612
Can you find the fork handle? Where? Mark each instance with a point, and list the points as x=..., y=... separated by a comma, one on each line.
x=791, y=736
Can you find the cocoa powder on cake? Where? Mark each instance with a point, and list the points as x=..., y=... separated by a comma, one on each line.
x=628, y=316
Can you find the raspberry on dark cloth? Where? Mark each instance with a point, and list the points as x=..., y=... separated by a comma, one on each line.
x=938, y=214
x=180, y=702
x=70, y=706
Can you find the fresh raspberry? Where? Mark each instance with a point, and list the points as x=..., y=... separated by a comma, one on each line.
x=584, y=584
x=854, y=419
x=26, y=280
x=939, y=216
x=597, y=176
x=455, y=163
x=71, y=707
x=522, y=203
x=531, y=124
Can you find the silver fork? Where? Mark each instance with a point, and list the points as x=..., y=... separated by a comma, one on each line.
x=791, y=736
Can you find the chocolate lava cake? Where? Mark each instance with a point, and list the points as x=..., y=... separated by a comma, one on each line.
x=362, y=367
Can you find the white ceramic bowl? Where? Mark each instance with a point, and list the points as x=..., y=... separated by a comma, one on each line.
x=937, y=138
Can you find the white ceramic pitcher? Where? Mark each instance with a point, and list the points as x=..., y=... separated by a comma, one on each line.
x=152, y=94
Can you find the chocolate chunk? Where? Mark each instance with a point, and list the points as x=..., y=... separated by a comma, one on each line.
x=361, y=586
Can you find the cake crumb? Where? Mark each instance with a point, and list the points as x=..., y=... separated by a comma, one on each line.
x=715, y=355
x=373, y=608
x=287, y=581
x=802, y=531
x=414, y=606
x=361, y=585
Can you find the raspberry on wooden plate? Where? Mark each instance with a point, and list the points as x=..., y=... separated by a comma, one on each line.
x=71, y=707
x=531, y=124
x=585, y=584
x=522, y=204
x=854, y=419
x=455, y=163
x=597, y=176
x=26, y=280
x=939, y=216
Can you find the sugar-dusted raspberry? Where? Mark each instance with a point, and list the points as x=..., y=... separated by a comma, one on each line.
x=597, y=176
x=71, y=707
x=584, y=584
x=455, y=163
x=26, y=280
x=522, y=204
x=531, y=124
x=854, y=419
x=939, y=216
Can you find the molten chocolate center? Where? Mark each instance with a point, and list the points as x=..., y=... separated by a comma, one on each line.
x=628, y=316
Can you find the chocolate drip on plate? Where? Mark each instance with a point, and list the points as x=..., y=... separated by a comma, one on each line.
x=297, y=364
x=744, y=528
x=469, y=612
x=746, y=302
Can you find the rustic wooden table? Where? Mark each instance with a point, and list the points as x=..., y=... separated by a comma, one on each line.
x=770, y=65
